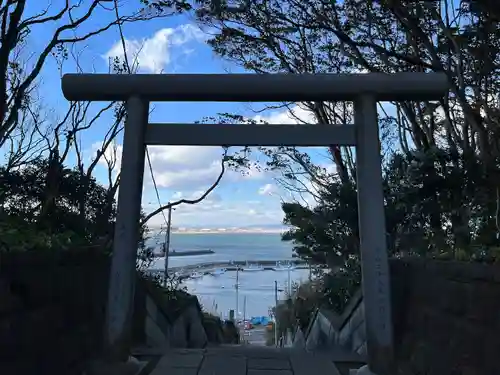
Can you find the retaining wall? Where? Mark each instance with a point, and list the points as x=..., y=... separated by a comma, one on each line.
x=51, y=310
x=446, y=318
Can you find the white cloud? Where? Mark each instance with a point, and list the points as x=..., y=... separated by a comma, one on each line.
x=296, y=115
x=191, y=168
x=187, y=171
x=268, y=189
x=213, y=197
x=184, y=169
x=177, y=195
x=155, y=53
x=222, y=215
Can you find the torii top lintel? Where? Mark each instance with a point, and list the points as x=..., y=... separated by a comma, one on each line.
x=255, y=87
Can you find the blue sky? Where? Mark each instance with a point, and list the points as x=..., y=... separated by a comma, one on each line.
x=173, y=45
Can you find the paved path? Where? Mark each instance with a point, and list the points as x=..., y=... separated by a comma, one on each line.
x=244, y=360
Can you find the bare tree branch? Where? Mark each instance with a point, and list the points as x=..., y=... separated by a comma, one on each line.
x=191, y=201
x=13, y=31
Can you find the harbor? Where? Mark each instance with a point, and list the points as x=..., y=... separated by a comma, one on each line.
x=223, y=286
x=249, y=294
x=227, y=282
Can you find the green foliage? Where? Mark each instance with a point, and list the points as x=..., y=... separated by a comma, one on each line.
x=339, y=287
x=307, y=298
x=298, y=307
x=327, y=233
x=437, y=204
x=45, y=205
x=284, y=316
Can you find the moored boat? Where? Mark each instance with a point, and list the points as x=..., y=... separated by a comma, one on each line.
x=218, y=271
x=284, y=266
x=253, y=267
x=196, y=275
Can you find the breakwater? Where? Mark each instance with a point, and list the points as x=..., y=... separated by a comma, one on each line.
x=190, y=253
x=206, y=267
x=235, y=265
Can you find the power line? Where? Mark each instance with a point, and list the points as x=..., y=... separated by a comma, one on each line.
x=154, y=184
x=166, y=244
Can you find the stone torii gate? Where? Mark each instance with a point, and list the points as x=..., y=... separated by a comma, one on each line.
x=365, y=90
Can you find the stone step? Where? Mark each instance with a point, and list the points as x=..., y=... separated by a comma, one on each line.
x=339, y=354
x=248, y=360
x=144, y=351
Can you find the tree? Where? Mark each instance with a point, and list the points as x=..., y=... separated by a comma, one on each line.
x=328, y=233
x=289, y=36
x=17, y=80
x=23, y=201
x=38, y=148
x=440, y=159
x=275, y=36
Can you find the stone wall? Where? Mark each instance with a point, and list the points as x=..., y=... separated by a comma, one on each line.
x=446, y=319
x=167, y=318
x=51, y=309
x=328, y=330
x=352, y=334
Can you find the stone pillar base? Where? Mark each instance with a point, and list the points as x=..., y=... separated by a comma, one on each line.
x=361, y=371
x=131, y=367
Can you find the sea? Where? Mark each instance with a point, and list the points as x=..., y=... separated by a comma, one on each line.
x=218, y=294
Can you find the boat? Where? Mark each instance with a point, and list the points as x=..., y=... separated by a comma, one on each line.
x=218, y=271
x=253, y=267
x=196, y=275
x=180, y=273
x=284, y=266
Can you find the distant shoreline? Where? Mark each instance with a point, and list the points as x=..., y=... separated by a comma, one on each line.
x=215, y=231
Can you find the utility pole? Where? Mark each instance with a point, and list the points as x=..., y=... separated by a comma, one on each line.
x=244, y=308
x=289, y=285
x=275, y=313
x=167, y=242
x=237, y=287
x=244, y=316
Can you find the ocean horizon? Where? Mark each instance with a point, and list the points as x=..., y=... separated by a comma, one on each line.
x=230, y=230
x=226, y=246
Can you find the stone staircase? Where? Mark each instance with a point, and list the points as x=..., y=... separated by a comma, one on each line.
x=246, y=360
x=164, y=353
